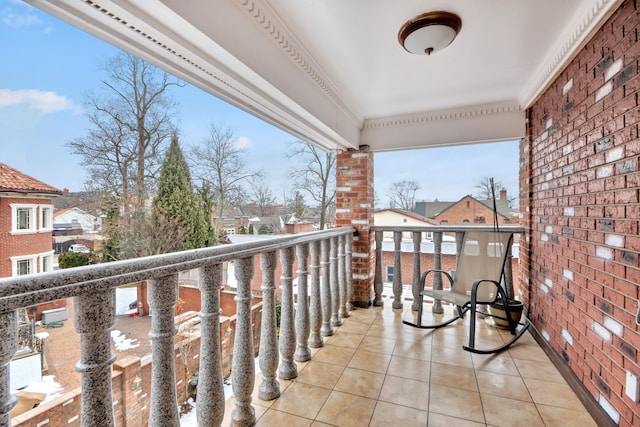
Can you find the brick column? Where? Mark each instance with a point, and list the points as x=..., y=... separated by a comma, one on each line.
x=354, y=207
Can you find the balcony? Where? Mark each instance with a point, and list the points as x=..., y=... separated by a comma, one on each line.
x=331, y=363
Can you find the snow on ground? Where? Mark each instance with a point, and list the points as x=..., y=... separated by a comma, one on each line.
x=123, y=343
x=47, y=386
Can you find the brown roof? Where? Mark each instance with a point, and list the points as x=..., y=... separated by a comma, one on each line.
x=13, y=180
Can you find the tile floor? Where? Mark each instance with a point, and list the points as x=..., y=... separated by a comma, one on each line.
x=375, y=371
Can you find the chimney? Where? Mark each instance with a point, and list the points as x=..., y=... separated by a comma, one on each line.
x=503, y=194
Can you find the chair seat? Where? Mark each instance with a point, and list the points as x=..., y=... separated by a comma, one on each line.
x=457, y=298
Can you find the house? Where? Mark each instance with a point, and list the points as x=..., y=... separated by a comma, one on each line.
x=72, y=217
x=26, y=223
x=400, y=218
x=468, y=210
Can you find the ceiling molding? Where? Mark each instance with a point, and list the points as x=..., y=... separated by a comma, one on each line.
x=577, y=33
x=271, y=24
x=454, y=114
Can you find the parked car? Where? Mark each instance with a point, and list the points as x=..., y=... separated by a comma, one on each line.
x=82, y=249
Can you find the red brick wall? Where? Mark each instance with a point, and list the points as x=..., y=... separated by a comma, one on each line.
x=583, y=165
x=457, y=213
x=20, y=244
x=354, y=208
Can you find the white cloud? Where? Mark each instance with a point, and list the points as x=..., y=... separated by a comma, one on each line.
x=24, y=17
x=243, y=143
x=41, y=101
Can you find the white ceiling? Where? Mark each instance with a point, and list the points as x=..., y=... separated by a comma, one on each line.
x=332, y=71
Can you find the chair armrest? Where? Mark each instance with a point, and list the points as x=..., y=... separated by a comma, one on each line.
x=474, y=290
x=424, y=275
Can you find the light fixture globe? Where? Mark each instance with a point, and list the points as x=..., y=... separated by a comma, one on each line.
x=430, y=32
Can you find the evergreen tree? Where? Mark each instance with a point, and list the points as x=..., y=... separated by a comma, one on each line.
x=176, y=218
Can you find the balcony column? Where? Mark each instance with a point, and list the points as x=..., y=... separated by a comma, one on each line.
x=243, y=369
x=8, y=347
x=397, y=270
x=342, y=280
x=349, y=271
x=288, y=369
x=377, y=284
x=315, y=308
x=437, y=264
x=302, y=353
x=334, y=283
x=163, y=295
x=94, y=317
x=210, y=404
x=354, y=207
x=415, y=284
x=269, y=388
x=325, y=291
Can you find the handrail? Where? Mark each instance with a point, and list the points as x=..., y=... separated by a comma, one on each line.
x=448, y=228
x=24, y=291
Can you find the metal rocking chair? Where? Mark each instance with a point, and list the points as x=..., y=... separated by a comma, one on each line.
x=477, y=281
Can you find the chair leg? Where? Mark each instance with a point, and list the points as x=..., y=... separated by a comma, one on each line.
x=460, y=314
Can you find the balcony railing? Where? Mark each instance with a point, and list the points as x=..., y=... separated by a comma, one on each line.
x=324, y=271
x=418, y=241
x=324, y=268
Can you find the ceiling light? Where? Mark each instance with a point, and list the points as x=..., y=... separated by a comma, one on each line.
x=429, y=32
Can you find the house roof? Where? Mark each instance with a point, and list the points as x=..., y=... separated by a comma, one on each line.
x=414, y=215
x=433, y=209
x=16, y=181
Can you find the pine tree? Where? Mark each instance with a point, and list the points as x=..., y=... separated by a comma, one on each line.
x=176, y=218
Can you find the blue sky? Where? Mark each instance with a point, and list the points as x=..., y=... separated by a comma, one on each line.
x=50, y=66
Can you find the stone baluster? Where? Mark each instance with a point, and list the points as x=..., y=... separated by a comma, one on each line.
x=334, y=281
x=210, y=404
x=397, y=270
x=349, y=270
x=437, y=265
x=163, y=295
x=315, y=307
x=415, y=284
x=8, y=347
x=342, y=279
x=243, y=369
x=269, y=388
x=377, y=284
x=288, y=369
x=93, y=319
x=325, y=291
x=302, y=353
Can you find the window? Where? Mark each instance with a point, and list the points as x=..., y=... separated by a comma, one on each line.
x=23, y=218
x=46, y=262
x=390, y=273
x=465, y=221
x=46, y=217
x=23, y=265
x=479, y=219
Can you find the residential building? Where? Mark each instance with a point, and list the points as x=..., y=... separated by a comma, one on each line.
x=64, y=218
x=26, y=223
x=469, y=210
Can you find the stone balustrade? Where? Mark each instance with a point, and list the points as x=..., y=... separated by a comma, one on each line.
x=323, y=270
x=419, y=241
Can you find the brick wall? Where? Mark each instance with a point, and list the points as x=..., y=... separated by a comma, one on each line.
x=20, y=244
x=354, y=208
x=580, y=185
x=468, y=209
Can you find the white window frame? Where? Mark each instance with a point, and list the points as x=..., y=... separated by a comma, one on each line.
x=43, y=257
x=33, y=259
x=46, y=218
x=33, y=219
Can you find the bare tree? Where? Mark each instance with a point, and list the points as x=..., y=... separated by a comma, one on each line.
x=261, y=197
x=485, y=193
x=218, y=162
x=132, y=124
x=315, y=174
x=402, y=194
